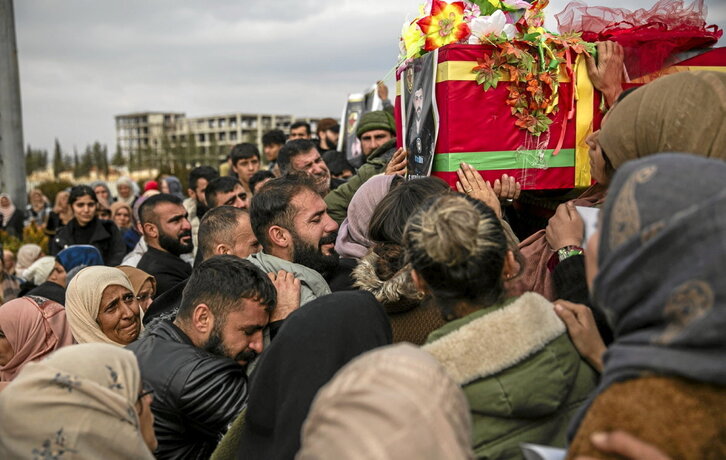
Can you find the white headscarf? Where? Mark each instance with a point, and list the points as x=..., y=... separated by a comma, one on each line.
x=83, y=300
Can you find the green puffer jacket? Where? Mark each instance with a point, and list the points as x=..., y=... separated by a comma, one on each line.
x=339, y=199
x=522, y=376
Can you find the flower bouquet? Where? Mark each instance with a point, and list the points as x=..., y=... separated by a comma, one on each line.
x=506, y=91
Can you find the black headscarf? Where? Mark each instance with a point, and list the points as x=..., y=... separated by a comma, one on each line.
x=312, y=345
x=661, y=258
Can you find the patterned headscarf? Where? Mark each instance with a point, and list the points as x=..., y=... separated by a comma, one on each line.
x=660, y=281
x=34, y=327
x=83, y=300
x=78, y=403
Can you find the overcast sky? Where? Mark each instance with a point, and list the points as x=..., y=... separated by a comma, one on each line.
x=84, y=61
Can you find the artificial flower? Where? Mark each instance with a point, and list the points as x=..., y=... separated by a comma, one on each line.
x=412, y=40
x=471, y=11
x=445, y=24
x=513, y=5
x=485, y=26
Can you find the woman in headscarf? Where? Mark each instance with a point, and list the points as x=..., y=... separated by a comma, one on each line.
x=143, y=284
x=122, y=216
x=395, y=402
x=101, y=307
x=657, y=264
x=38, y=208
x=523, y=377
x=86, y=228
x=353, y=241
x=384, y=272
x=171, y=185
x=11, y=218
x=30, y=329
x=127, y=190
x=81, y=255
x=103, y=193
x=82, y=402
x=310, y=347
x=683, y=112
x=27, y=254
x=37, y=283
x=61, y=214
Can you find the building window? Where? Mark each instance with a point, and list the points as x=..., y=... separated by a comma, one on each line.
x=222, y=136
x=233, y=136
x=232, y=122
x=201, y=138
x=221, y=122
x=211, y=123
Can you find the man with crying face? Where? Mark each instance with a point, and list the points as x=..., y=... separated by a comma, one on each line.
x=196, y=364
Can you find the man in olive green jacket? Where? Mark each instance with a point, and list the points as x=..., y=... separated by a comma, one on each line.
x=376, y=131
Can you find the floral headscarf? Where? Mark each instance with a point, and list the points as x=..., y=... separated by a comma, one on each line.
x=77, y=403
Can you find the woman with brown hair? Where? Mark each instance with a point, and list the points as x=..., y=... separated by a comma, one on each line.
x=497, y=348
x=383, y=271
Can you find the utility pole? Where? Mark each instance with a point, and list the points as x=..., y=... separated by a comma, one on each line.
x=12, y=158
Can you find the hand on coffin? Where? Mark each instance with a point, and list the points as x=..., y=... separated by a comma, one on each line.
x=606, y=74
x=397, y=164
x=507, y=189
x=471, y=183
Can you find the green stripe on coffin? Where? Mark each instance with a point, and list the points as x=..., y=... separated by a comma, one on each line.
x=510, y=159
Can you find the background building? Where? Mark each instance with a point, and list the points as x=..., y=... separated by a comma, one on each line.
x=156, y=136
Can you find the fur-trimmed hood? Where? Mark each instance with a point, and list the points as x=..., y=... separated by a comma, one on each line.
x=516, y=359
x=397, y=294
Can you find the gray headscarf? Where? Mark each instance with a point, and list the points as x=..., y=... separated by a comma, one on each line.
x=660, y=279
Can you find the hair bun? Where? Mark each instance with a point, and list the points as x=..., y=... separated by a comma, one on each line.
x=449, y=231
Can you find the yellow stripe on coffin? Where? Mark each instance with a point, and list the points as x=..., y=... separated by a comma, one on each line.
x=461, y=71
x=585, y=100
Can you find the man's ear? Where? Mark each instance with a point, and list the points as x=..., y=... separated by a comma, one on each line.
x=419, y=282
x=150, y=230
x=279, y=236
x=202, y=319
x=222, y=249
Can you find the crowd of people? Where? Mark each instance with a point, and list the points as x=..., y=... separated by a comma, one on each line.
x=291, y=305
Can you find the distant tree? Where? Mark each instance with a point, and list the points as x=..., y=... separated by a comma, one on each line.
x=35, y=160
x=76, y=164
x=192, y=151
x=118, y=157
x=57, y=159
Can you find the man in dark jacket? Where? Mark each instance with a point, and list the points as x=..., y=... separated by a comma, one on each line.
x=168, y=234
x=196, y=364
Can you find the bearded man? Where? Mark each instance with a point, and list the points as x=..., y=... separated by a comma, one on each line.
x=168, y=234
